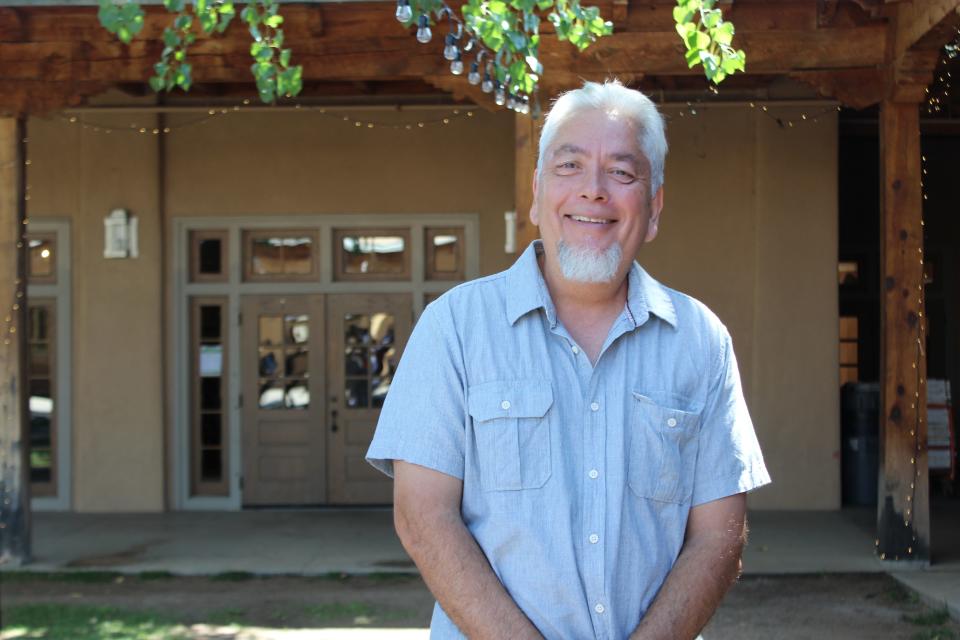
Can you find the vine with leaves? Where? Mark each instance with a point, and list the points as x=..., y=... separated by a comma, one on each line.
x=503, y=36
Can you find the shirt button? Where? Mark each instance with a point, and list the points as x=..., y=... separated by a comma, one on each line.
x=595, y=406
x=576, y=349
x=594, y=474
x=599, y=608
x=671, y=422
x=506, y=405
x=594, y=538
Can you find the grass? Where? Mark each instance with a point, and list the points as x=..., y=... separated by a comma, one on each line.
x=930, y=618
x=60, y=622
x=234, y=576
x=934, y=634
x=357, y=612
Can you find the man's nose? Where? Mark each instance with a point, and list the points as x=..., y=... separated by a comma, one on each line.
x=594, y=186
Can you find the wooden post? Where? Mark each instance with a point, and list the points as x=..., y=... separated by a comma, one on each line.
x=14, y=423
x=526, y=136
x=903, y=518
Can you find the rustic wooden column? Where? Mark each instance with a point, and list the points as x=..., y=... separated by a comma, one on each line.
x=903, y=518
x=14, y=434
x=526, y=135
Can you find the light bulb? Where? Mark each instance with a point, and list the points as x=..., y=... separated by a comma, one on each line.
x=423, y=30
x=470, y=44
x=474, y=76
x=487, y=85
x=511, y=102
x=404, y=12
x=450, y=50
x=499, y=96
x=456, y=67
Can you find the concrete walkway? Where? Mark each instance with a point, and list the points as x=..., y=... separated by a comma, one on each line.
x=362, y=541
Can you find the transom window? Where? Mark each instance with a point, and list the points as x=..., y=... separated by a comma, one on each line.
x=372, y=254
x=272, y=255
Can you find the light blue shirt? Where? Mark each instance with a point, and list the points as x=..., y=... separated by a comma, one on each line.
x=577, y=479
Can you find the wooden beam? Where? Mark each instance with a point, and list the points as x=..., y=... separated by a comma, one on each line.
x=903, y=518
x=526, y=135
x=926, y=24
x=857, y=88
x=14, y=412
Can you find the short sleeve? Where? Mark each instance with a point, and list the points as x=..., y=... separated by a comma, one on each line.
x=729, y=460
x=423, y=419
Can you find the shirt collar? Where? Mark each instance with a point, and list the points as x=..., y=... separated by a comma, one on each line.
x=527, y=290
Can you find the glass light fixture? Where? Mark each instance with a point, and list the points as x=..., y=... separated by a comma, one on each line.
x=450, y=49
x=456, y=67
x=404, y=12
x=500, y=96
x=487, y=85
x=474, y=76
x=423, y=30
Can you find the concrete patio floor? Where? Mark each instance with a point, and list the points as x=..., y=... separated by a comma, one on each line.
x=362, y=541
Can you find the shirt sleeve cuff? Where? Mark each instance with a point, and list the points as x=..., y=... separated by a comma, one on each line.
x=753, y=476
x=385, y=464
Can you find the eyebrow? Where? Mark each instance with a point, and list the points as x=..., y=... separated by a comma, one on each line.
x=575, y=150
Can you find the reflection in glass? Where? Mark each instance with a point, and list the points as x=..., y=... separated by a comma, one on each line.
x=209, y=393
x=446, y=253
x=209, y=251
x=373, y=254
x=211, y=360
x=356, y=393
x=41, y=466
x=357, y=329
x=269, y=362
x=356, y=362
x=296, y=364
x=39, y=323
x=380, y=388
x=211, y=464
x=209, y=321
x=271, y=394
x=41, y=257
x=297, y=395
x=271, y=330
x=40, y=360
x=297, y=329
x=279, y=255
x=211, y=433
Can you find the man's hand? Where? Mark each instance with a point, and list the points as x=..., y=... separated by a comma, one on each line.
x=708, y=565
x=426, y=513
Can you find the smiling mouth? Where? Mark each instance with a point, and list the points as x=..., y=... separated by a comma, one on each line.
x=590, y=220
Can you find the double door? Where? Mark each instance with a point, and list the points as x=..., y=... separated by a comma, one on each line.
x=315, y=372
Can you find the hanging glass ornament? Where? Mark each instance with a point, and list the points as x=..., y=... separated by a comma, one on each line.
x=450, y=49
x=474, y=76
x=456, y=67
x=487, y=85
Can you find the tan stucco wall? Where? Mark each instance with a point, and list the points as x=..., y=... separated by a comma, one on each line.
x=117, y=419
x=749, y=228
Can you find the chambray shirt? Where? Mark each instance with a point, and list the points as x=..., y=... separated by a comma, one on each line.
x=577, y=479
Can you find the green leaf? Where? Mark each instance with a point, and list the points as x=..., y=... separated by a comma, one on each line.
x=285, y=57
x=682, y=15
x=723, y=34
x=182, y=22
x=157, y=83
x=124, y=34
x=273, y=21
x=711, y=18
x=692, y=57
x=174, y=6
x=171, y=38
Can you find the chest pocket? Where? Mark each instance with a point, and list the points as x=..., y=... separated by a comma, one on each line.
x=512, y=431
x=663, y=451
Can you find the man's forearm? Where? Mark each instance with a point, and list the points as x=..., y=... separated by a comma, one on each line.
x=702, y=575
x=459, y=576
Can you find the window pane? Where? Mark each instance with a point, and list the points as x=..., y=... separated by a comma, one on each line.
x=297, y=363
x=271, y=330
x=39, y=324
x=269, y=363
x=446, y=254
x=211, y=360
x=356, y=393
x=210, y=253
x=296, y=395
x=40, y=360
x=271, y=394
x=374, y=254
x=210, y=321
x=39, y=430
x=41, y=467
x=210, y=393
x=41, y=261
x=211, y=464
x=356, y=362
x=357, y=329
x=297, y=329
x=211, y=434
x=278, y=255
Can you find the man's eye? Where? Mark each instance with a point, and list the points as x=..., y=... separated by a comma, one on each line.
x=567, y=165
x=623, y=174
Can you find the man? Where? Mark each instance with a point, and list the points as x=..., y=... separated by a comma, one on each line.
x=569, y=439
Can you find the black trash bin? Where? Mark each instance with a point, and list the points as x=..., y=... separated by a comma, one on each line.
x=860, y=449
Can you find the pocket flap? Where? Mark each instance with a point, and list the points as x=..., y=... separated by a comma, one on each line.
x=509, y=399
x=667, y=416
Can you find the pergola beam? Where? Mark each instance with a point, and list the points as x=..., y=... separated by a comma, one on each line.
x=926, y=24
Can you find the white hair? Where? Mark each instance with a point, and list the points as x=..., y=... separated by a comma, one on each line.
x=613, y=98
x=586, y=264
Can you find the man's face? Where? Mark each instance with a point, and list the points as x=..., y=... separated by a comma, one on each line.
x=593, y=195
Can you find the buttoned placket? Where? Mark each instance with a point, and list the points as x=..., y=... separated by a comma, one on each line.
x=594, y=411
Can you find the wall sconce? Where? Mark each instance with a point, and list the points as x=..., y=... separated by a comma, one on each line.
x=120, y=235
x=510, y=232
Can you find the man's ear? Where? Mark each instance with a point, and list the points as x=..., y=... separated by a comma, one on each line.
x=656, y=206
x=534, y=215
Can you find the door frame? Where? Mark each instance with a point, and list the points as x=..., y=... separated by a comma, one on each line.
x=178, y=430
